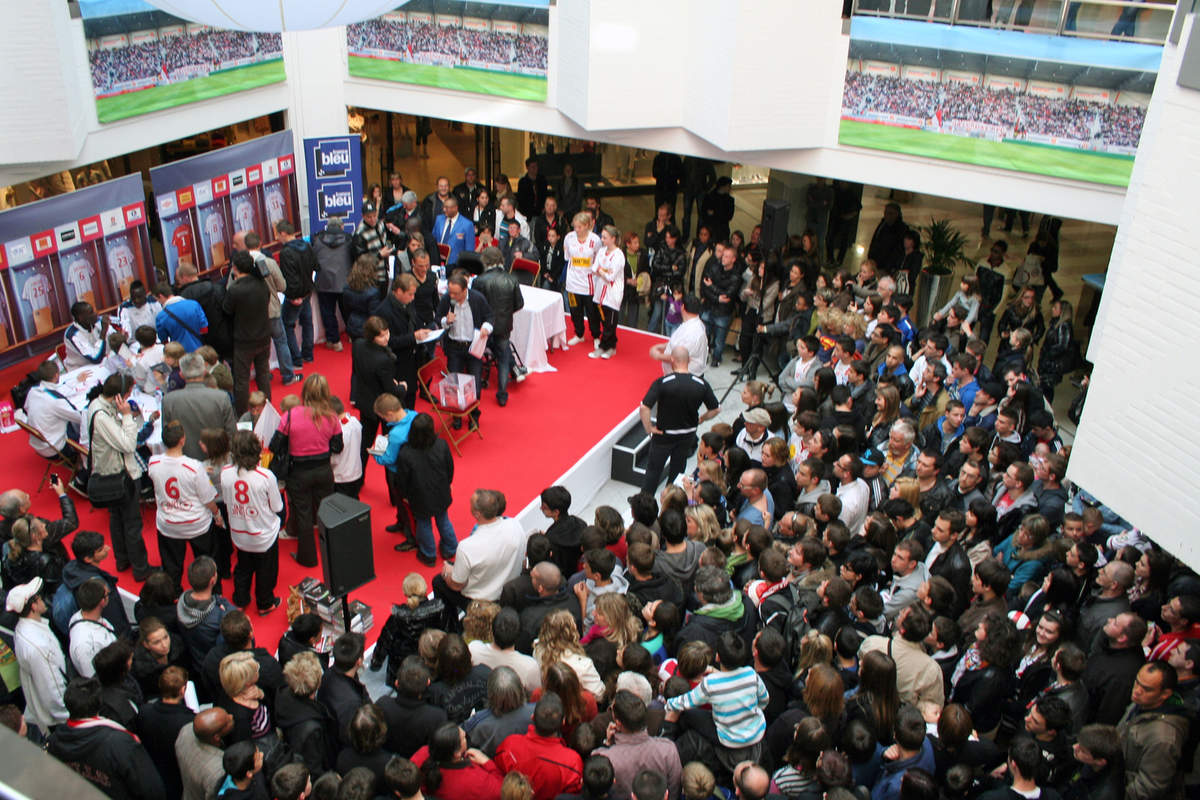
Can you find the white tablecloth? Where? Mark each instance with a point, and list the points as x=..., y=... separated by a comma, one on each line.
x=74, y=385
x=539, y=326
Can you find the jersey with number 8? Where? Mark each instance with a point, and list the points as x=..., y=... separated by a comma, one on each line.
x=182, y=491
x=254, y=503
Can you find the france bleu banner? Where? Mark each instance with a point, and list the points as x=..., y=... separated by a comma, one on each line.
x=334, y=175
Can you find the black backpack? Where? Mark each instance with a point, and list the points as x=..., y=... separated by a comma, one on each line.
x=787, y=611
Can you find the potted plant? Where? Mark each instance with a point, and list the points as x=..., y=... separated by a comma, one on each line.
x=945, y=248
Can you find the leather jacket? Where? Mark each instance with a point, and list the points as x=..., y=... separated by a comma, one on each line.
x=503, y=293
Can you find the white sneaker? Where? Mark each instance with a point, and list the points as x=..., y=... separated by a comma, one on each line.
x=608, y=353
x=595, y=344
x=597, y=354
x=574, y=340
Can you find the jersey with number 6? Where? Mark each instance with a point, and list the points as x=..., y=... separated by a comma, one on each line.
x=181, y=490
x=254, y=503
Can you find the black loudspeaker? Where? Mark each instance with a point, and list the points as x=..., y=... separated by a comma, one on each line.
x=774, y=224
x=347, y=559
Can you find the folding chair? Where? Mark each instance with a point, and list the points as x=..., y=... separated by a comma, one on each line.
x=57, y=460
x=525, y=270
x=431, y=372
x=444, y=250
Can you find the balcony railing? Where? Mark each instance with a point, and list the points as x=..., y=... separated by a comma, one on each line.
x=1145, y=21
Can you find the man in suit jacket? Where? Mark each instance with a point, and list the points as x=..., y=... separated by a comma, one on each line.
x=454, y=230
x=196, y=406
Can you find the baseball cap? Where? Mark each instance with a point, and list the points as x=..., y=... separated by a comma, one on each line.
x=19, y=596
x=369, y=208
x=872, y=457
x=756, y=416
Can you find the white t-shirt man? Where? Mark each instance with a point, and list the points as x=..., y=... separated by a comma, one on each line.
x=526, y=667
x=855, y=497
x=254, y=503
x=86, y=638
x=489, y=558
x=182, y=492
x=689, y=334
x=347, y=465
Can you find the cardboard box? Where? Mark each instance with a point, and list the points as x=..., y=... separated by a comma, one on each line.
x=457, y=390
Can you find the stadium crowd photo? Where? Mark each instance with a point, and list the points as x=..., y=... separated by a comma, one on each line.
x=874, y=582
x=415, y=40
x=1106, y=124
x=177, y=57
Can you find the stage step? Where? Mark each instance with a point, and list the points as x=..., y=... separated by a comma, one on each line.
x=629, y=455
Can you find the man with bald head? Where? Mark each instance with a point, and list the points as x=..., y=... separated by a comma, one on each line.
x=678, y=396
x=15, y=504
x=552, y=595
x=199, y=749
x=750, y=781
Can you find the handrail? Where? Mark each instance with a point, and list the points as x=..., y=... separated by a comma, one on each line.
x=1063, y=25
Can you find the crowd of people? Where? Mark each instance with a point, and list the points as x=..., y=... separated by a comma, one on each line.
x=413, y=39
x=880, y=585
x=1110, y=124
x=162, y=58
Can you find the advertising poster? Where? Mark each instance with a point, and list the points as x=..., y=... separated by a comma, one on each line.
x=334, y=180
x=496, y=47
x=143, y=59
x=1065, y=107
x=85, y=246
x=204, y=200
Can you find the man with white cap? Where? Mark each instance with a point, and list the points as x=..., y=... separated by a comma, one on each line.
x=39, y=656
x=755, y=434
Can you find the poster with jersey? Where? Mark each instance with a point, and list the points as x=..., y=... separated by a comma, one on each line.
x=241, y=188
x=86, y=246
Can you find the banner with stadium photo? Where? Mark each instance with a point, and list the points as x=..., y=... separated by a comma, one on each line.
x=88, y=245
x=496, y=47
x=1059, y=106
x=143, y=59
x=204, y=200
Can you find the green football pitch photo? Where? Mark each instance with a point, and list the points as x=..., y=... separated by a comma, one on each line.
x=1060, y=162
x=109, y=109
x=465, y=79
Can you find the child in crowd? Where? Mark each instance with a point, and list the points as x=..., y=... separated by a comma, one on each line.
x=348, y=465
x=600, y=577
x=252, y=497
x=674, y=308
x=256, y=404
x=662, y=623
x=219, y=374
x=172, y=352
x=148, y=355
x=397, y=420
x=401, y=633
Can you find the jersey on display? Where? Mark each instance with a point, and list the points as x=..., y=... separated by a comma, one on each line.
x=214, y=235
x=122, y=263
x=276, y=206
x=81, y=276
x=181, y=240
x=243, y=213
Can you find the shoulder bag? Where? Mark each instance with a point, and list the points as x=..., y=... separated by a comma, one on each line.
x=104, y=491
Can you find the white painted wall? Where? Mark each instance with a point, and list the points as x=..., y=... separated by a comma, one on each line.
x=1134, y=448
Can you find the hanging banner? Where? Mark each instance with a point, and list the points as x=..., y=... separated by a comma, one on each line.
x=334, y=179
x=204, y=200
x=89, y=246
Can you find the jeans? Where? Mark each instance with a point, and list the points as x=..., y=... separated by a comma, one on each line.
x=245, y=356
x=669, y=328
x=282, y=352
x=718, y=329
x=330, y=304
x=424, y=533
x=125, y=529
x=291, y=314
x=658, y=309
x=502, y=352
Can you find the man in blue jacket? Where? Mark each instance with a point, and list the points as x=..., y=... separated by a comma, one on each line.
x=181, y=320
x=453, y=230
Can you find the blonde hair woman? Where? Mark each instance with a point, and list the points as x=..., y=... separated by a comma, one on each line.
x=477, y=624
x=401, y=633
x=311, y=434
x=615, y=621
x=702, y=523
x=580, y=248
x=251, y=719
x=558, y=641
x=909, y=489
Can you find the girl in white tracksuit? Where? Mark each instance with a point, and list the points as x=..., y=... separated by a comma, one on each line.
x=609, y=289
x=580, y=248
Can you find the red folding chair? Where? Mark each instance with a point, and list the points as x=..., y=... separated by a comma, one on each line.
x=444, y=249
x=427, y=376
x=525, y=270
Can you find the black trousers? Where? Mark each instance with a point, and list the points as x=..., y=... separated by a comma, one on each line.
x=676, y=447
x=125, y=530
x=263, y=570
x=608, y=330
x=308, y=484
x=173, y=552
x=245, y=356
x=451, y=597
x=581, y=305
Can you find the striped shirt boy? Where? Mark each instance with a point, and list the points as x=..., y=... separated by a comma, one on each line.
x=737, y=697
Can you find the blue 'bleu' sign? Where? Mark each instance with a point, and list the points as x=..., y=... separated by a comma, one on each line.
x=334, y=181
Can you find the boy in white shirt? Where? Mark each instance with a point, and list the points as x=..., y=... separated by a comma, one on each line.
x=348, y=464
x=186, y=501
x=251, y=494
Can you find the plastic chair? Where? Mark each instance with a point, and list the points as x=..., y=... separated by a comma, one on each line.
x=56, y=460
x=427, y=375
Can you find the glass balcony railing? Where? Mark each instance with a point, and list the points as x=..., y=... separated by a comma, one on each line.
x=1145, y=21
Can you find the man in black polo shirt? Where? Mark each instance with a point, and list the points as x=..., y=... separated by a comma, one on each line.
x=678, y=396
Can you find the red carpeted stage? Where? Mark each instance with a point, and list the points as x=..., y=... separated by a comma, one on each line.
x=551, y=421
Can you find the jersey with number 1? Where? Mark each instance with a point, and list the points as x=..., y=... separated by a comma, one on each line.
x=254, y=503
x=182, y=491
x=580, y=258
x=181, y=240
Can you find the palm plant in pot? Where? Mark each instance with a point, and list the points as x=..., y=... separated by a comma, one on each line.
x=944, y=247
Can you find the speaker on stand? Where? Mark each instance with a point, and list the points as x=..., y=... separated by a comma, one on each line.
x=774, y=224
x=347, y=558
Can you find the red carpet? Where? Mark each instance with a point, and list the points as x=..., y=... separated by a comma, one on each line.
x=551, y=420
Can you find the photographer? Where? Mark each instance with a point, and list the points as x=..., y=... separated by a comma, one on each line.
x=760, y=290
x=247, y=298
x=667, y=265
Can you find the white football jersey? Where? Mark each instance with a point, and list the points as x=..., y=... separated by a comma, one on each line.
x=36, y=292
x=253, y=500
x=580, y=258
x=181, y=490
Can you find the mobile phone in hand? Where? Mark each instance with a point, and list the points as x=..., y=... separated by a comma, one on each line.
x=54, y=479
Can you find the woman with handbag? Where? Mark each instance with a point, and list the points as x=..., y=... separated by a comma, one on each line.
x=308, y=435
x=115, y=470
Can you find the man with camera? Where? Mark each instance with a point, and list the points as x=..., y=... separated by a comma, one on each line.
x=247, y=301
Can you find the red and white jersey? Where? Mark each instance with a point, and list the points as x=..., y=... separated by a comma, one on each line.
x=121, y=262
x=610, y=278
x=253, y=500
x=214, y=227
x=276, y=211
x=581, y=256
x=181, y=240
x=79, y=274
x=243, y=215
x=181, y=490
x=36, y=292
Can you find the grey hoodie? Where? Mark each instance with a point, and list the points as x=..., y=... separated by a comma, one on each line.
x=200, y=622
x=680, y=566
